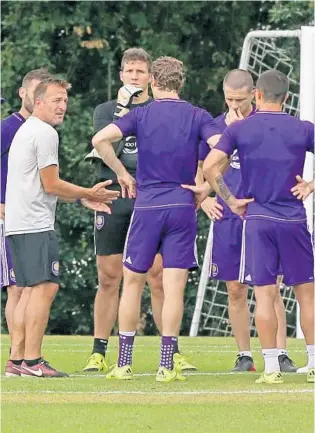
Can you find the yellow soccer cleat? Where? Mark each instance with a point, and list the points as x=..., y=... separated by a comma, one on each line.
x=310, y=375
x=96, y=363
x=165, y=375
x=120, y=373
x=271, y=378
x=181, y=363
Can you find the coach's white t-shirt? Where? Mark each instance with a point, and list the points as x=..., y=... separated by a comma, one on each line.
x=29, y=209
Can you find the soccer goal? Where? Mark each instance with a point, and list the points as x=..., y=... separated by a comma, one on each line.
x=293, y=53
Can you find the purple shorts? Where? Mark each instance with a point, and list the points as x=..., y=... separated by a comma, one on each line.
x=171, y=232
x=226, y=249
x=7, y=273
x=268, y=245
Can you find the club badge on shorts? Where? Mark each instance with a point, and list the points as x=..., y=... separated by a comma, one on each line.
x=55, y=268
x=99, y=221
x=214, y=270
x=12, y=275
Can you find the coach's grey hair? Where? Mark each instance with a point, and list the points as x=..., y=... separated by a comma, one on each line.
x=238, y=79
x=51, y=80
x=274, y=86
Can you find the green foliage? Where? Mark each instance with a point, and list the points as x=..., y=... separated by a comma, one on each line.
x=206, y=36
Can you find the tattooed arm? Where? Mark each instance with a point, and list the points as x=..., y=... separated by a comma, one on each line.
x=215, y=178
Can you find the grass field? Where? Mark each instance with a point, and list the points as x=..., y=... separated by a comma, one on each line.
x=211, y=400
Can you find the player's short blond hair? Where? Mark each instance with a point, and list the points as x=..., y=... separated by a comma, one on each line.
x=169, y=73
x=238, y=79
x=136, y=54
x=51, y=80
x=37, y=74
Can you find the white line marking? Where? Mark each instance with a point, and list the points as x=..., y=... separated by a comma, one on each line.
x=218, y=392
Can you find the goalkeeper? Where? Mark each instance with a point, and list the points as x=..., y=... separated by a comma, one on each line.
x=111, y=230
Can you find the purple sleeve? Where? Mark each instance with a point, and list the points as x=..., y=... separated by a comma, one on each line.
x=4, y=163
x=227, y=141
x=208, y=127
x=310, y=136
x=128, y=123
x=204, y=150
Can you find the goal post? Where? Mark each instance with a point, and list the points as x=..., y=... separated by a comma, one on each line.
x=293, y=53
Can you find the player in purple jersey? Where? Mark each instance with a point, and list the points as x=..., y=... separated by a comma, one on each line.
x=272, y=147
x=168, y=131
x=9, y=127
x=227, y=231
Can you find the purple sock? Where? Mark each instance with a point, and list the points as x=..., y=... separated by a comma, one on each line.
x=125, y=350
x=168, y=346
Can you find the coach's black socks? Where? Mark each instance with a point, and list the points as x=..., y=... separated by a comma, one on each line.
x=32, y=362
x=17, y=362
x=100, y=346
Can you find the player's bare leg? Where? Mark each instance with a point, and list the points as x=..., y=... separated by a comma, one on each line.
x=14, y=293
x=286, y=364
x=155, y=282
x=305, y=296
x=266, y=324
x=240, y=323
x=128, y=318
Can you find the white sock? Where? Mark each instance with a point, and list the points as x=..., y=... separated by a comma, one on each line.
x=271, y=360
x=128, y=333
x=311, y=354
x=245, y=353
x=282, y=352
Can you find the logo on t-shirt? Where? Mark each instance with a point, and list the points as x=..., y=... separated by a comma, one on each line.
x=130, y=145
x=214, y=270
x=235, y=163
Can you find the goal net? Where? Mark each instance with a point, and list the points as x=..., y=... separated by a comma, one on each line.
x=262, y=51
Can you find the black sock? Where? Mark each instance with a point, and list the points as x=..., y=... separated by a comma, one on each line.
x=32, y=362
x=17, y=362
x=100, y=346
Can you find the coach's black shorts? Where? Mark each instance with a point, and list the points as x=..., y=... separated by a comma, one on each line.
x=110, y=231
x=35, y=258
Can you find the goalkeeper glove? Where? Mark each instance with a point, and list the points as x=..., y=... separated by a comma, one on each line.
x=124, y=99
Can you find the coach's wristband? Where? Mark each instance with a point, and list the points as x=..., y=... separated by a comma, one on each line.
x=78, y=202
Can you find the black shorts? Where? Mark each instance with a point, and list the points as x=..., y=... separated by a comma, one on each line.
x=35, y=258
x=110, y=231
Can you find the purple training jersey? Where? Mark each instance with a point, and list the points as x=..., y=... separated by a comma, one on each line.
x=9, y=126
x=272, y=148
x=168, y=133
x=233, y=176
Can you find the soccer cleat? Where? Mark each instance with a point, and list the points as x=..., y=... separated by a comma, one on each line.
x=181, y=363
x=244, y=363
x=165, y=375
x=96, y=363
x=310, y=375
x=12, y=370
x=42, y=369
x=120, y=373
x=286, y=364
x=270, y=378
x=302, y=370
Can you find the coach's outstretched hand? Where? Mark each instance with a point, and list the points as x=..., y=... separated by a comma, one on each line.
x=96, y=206
x=302, y=189
x=128, y=185
x=124, y=99
x=239, y=205
x=99, y=193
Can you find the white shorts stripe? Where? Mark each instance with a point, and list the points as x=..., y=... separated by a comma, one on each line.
x=242, y=263
x=127, y=237
x=4, y=263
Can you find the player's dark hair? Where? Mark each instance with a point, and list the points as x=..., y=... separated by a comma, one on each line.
x=136, y=54
x=37, y=74
x=238, y=79
x=274, y=86
x=169, y=73
x=51, y=80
